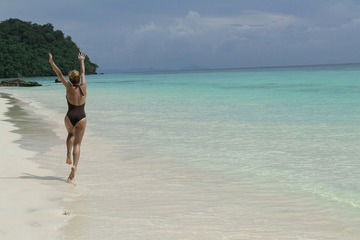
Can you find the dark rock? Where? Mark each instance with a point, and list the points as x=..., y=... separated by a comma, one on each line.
x=18, y=83
x=57, y=81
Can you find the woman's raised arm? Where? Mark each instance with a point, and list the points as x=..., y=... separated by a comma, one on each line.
x=81, y=58
x=57, y=70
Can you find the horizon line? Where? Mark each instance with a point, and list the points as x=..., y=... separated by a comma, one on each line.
x=225, y=68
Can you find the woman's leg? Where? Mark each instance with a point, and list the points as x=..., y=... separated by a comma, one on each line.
x=69, y=140
x=69, y=146
x=79, y=131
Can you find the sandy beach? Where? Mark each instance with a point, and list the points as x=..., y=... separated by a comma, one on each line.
x=29, y=209
x=186, y=120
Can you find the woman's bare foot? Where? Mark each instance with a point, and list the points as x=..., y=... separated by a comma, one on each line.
x=68, y=160
x=72, y=174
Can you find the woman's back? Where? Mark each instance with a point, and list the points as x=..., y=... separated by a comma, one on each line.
x=74, y=95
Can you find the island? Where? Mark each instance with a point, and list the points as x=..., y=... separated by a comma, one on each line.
x=24, y=48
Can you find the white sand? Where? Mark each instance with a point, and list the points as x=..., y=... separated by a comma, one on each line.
x=28, y=208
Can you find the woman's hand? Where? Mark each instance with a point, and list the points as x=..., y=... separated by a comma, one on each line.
x=81, y=56
x=51, y=60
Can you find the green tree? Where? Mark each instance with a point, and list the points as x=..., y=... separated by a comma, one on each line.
x=24, y=47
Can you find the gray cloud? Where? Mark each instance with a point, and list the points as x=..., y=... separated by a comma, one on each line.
x=161, y=34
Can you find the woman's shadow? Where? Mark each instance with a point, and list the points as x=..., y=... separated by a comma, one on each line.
x=43, y=178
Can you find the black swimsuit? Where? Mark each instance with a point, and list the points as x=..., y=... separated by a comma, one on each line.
x=75, y=113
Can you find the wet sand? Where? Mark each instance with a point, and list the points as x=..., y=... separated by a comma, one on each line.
x=29, y=208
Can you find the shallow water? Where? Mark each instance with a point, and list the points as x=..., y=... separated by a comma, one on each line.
x=241, y=154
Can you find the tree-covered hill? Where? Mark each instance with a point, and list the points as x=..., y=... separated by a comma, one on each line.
x=24, y=48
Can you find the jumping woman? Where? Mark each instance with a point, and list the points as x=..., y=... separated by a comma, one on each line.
x=75, y=119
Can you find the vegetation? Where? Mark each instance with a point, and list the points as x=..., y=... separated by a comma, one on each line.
x=24, y=48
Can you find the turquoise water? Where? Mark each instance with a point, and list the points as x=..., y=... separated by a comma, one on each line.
x=295, y=128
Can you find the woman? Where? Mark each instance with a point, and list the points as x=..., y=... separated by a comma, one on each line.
x=75, y=119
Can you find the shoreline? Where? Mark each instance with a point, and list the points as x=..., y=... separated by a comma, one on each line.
x=30, y=209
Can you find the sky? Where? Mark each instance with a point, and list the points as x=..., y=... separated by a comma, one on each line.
x=138, y=35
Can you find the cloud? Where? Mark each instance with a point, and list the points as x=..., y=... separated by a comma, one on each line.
x=194, y=24
x=247, y=39
x=141, y=34
x=204, y=41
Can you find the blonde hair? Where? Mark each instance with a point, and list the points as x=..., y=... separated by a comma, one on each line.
x=74, y=77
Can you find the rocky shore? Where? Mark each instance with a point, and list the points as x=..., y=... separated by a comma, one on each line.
x=18, y=83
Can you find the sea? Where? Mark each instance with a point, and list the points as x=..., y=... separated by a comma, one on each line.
x=258, y=153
